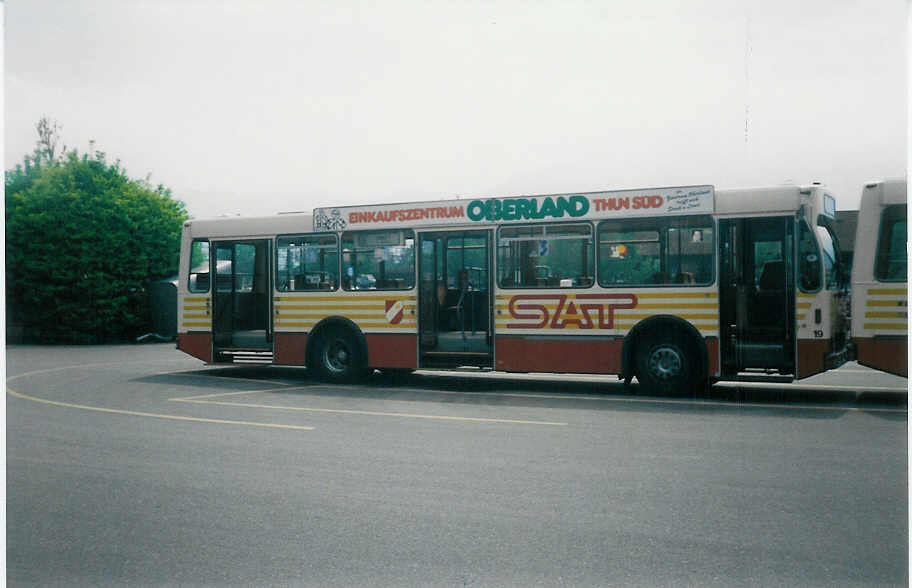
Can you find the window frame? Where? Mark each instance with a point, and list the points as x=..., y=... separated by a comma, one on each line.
x=659, y=224
x=593, y=265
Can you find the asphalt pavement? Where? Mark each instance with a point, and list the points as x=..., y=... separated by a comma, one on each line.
x=136, y=465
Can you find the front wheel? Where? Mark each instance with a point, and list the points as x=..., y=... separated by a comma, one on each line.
x=667, y=366
x=338, y=356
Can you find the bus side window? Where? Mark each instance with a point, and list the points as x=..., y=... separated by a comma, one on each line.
x=891, y=262
x=545, y=256
x=199, y=267
x=378, y=260
x=307, y=262
x=656, y=252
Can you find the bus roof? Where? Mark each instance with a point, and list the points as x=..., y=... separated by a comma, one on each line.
x=251, y=226
x=670, y=201
x=889, y=191
x=769, y=200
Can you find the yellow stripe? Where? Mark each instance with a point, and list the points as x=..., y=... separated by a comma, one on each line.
x=364, y=325
x=195, y=324
x=887, y=314
x=619, y=321
x=195, y=316
x=319, y=315
x=674, y=294
x=342, y=298
x=665, y=294
x=682, y=305
x=885, y=303
x=626, y=315
x=807, y=295
x=706, y=330
x=196, y=299
x=886, y=291
x=804, y=305
x=885, y=326
x=195, y=307
x=670, y=306
x=331, y=308
x=699, y=325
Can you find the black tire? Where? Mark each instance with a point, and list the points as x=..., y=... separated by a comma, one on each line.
x=667, y=365
x=338, y=356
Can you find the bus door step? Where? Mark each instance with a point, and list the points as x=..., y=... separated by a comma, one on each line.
x=243, y=356
x=458, y=353
x=770, y=378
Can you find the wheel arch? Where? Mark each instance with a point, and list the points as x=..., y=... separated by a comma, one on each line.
x=658, y=323
x=325, y=325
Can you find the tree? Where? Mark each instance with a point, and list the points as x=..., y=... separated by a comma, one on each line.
x=83, y=242
x=48, y=138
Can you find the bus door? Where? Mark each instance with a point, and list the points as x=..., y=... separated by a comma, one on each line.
x=241, y=301
x=757, y=294
x=454, y=299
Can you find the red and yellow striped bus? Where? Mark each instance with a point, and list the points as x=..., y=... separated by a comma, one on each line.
x=880, y=313
x=678, y=287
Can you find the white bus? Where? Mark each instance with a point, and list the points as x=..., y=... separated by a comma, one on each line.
x=678, y=287
x=880, y=317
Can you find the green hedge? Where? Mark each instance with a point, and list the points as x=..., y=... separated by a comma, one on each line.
x=83, y=241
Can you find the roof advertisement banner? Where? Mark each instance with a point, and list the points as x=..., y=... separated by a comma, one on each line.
x=517, y=209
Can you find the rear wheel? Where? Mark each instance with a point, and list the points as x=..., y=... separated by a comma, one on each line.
x=338, y=356
x=667, y=366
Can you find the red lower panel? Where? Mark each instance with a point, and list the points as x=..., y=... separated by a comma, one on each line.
x=516, y=354
x=198, y=345
x=290, y=349
x=811, y=353
x=392, y=351
x=712, y=355
x=889, y=355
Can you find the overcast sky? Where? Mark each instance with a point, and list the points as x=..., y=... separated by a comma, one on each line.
x=260, y=107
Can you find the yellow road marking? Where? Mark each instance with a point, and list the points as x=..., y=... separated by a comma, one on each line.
x=374, y=413
x=219, y=394
x=173, y=417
